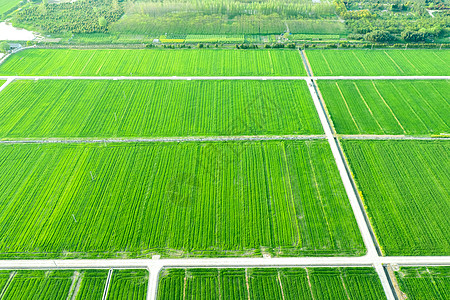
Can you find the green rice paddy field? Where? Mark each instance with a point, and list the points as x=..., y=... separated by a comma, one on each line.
x=70, y=284
x=379, y=62
x=423, y=283
x=413, y=107
x=185, y=62
x=211, y=199
x=404, y=187
x=109, y=109
x=268, y=283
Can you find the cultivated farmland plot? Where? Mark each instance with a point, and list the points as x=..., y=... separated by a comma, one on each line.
x=379, y=62
x=73, y=284
x=177, y=199
x=39, y=285
x=108, y=109
x=424, y=282
x=202, y=62
x=413, y=107
x=293, y=283
x=404, y=186
x=128, y=284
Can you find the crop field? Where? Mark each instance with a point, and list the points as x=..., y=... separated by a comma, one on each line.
x=379, y=62
x=45, y=285
x=413, y=107
x=92, y=284
x=265, y=283
x=128, y=284
x=404, y=186
x=211, y=199
x=73, y=284
x=153, y=62
x=420, y=283
x=85, y=108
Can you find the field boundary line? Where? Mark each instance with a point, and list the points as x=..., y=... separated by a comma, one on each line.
x=359, y=212
x=8, y=81
x=166, y=139
x=348, y=108
x=357, y=58
x=367, y=105
x=173, y=78
x=387, y=105
x=107, y=284
x=306, y=65
x=8, y=282
x=73, y=290
x=405, y=101
x=428, y=104
x=394, y=62
x=412, y=65
x=390, y=137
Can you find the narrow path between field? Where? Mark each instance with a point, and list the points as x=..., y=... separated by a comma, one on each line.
x=165, y=139
x=392, y=137
x=225, y=77
x=373, y=249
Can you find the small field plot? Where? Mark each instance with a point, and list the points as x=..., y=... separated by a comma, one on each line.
x=176, y=199
x=186, y=62
x=379, y=62
x=420, y=283
x=91, y=284
x=412, y=107
x=269, y=283
x=39, y=285
x=404, y=186
x=82, y=108
x=128, y=284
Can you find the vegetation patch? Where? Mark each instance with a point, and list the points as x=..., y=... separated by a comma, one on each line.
x=270, y=283
x=403, y=185
x=186, y=62
x=412, y=107
x=424, y=282
x=379, y=62
x=115, y=109
x=128, y=284
x=282, y=198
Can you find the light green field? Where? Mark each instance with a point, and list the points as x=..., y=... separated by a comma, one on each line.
x=6, y=5
x=108, y=109
x=413, y=107
x=151, y=62
x=423, y=283
x=282, y=284
x=175, y=199
x=404, y=186
x=379, y=62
